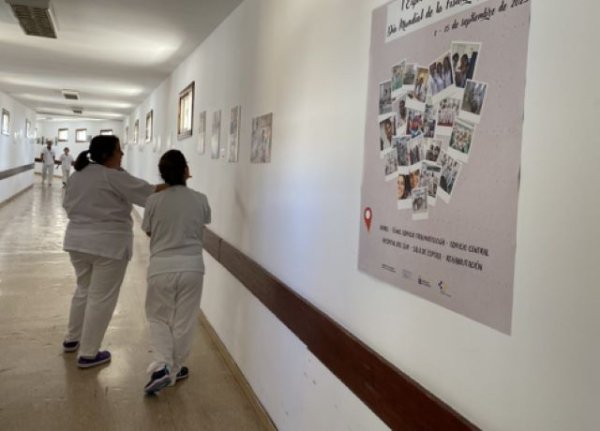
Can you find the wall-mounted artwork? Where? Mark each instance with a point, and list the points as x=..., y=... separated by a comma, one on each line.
x=106, y=132
x=28, y=131
x=149, y=125
x=185, y=115
x=5, y=122
x=63, y=135
x=80, y=135
x=262, y=129
x=136, y=132
x=234, y=134
x=201, y=145
x=215, y=137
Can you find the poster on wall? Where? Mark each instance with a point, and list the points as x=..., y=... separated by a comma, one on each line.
x=201, y=145
x=215, y=137
x=234, y=134
x=262, y=130
x=442, y=152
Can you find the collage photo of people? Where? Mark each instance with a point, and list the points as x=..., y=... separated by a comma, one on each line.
x=427, y=120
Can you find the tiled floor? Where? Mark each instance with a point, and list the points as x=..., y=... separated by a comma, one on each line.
x=40, y=386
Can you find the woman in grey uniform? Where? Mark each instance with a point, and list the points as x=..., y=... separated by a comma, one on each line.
x=174, y=220
x=99, y=238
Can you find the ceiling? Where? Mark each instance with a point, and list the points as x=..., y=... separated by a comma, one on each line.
x=113, y=52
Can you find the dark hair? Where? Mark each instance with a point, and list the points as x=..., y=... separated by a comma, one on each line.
x=172, y=166
x=102, y=147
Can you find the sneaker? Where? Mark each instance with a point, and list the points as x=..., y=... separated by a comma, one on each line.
x=100, y=358
x=158, y=380
x=182, y=374
x=70, y=346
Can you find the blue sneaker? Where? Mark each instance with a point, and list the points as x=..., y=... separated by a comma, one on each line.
x=101, y=358
x=158, y=380
x=70, y=346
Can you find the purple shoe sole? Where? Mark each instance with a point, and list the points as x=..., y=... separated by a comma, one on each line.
x=101, y=358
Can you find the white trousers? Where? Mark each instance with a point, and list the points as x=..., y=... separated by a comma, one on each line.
x=66, y=173
x=99, y=281
x=47, y=171
x=172, y=303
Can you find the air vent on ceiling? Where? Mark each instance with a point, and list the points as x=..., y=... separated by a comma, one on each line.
x=35, y=17
x=70, y=94
x=77, y=111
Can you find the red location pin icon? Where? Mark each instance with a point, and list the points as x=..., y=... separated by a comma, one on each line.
x=368, y=217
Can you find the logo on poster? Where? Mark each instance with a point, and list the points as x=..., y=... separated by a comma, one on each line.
x=424, y=282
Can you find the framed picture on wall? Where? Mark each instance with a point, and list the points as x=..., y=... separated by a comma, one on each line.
x=185, y=114
x=63, y=135
x=262, y=129
x=201, y=145
x=28, y=131
x=149, y=125
x=106, y=132
x=234, y=134
x=5, y=122
x=136, y=131
x=80, y=135
x=216, y=135
x=126, y=136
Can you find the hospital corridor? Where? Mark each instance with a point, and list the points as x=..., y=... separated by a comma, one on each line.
x=42, y=388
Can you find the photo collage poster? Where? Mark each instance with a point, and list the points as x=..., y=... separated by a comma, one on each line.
x=234, y=134
x=442, y=152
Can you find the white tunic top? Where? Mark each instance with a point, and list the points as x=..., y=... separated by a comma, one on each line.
x=175, y=218
x=98, y=201
x=48, y=156
x=66, y=161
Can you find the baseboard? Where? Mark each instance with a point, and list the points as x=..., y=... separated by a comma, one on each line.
x=13, y=197
x=261, y=412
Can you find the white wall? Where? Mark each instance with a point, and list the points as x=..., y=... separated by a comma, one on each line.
x=15, y=149
x=299, y=217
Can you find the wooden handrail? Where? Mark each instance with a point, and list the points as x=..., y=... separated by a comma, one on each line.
x=397, y=399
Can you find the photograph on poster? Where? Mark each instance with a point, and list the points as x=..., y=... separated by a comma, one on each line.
x=397, y=78
x=403, y=194
x=429, y=121
x=408, y=78
x=432, y=149
x=386, y=133
x=414, y=176
x=385, y=98
x=461, y=140
x=430, y=179
x=473, y=99
x=399, y=111
x=262, y=131
x=215, y=137
x=447, y=113
x=400, y=143
x=464, y=61
x=201, y=144
x=419, y=94
x=441, y=81
x=414, y=122
x=234, y=133
x=419, y=204
x=449, y=175
x=390, y=159
x=416, y=152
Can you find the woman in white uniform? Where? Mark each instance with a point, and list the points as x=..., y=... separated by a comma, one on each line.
x=174, y=220
x=66, y=161
x=99, y=238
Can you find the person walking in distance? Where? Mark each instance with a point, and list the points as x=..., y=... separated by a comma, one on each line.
x=48, y=158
